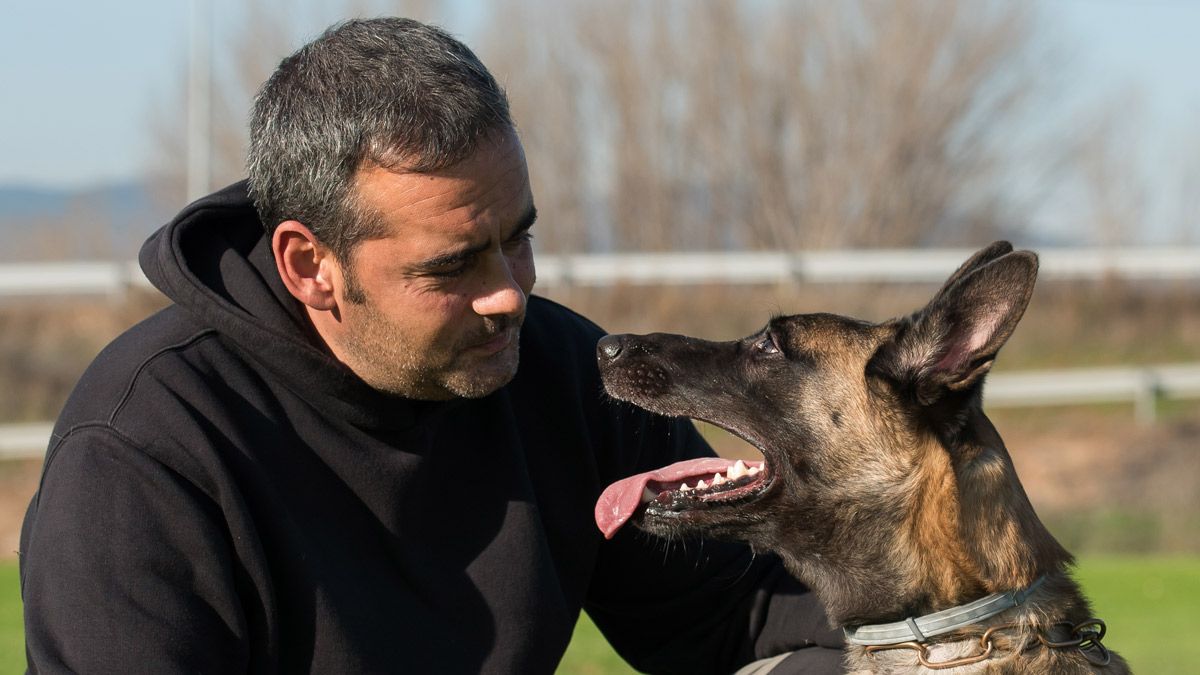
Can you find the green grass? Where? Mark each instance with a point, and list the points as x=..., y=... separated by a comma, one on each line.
x=589, y=653
x=12, y=627
x=1149, y=604
x=1150, y=607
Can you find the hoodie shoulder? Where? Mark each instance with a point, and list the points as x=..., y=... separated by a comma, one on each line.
x=106, y=385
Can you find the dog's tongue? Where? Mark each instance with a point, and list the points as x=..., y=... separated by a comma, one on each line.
x=618, y=502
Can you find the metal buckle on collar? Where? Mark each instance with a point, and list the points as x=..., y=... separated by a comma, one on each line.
x=1084, y=636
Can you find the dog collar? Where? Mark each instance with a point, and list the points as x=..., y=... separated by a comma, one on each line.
x=922, y=628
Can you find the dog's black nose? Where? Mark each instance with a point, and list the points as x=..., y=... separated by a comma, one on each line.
x=610, y=346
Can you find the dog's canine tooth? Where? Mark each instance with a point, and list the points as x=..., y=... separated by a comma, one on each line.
x=737, y=470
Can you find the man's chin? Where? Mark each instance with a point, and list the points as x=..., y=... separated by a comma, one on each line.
x=482, y=377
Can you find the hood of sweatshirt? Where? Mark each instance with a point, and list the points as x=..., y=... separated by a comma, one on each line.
x=214, y=260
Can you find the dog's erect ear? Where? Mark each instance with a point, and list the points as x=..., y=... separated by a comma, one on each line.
x=952, y=342
x=979, y=259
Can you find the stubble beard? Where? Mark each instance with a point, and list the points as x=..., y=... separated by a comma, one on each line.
x=380, y=354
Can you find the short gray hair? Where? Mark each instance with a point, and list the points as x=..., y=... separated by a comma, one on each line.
x=390, y=92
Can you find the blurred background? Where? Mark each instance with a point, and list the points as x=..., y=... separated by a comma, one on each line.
x=821, y=156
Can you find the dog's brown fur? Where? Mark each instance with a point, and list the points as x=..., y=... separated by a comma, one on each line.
x=891, y=493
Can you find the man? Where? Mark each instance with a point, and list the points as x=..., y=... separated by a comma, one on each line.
x=323, y=457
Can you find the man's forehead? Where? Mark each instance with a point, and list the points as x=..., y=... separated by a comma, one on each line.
x=445, y=215
x=490, y=183
x=500, y=147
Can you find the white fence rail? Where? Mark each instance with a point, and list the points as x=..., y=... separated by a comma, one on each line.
x=860, y=265
x=895, y=266
x=1143, y=387
x=24, y=441
x=70, y=278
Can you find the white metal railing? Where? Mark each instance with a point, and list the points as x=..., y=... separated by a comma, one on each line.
x=765, y=267
x=852, y=266
x=70, y=278
x=24, y=441
x=1141, y=386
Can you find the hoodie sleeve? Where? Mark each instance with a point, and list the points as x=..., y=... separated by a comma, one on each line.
x=697, y=606
x=125, y=567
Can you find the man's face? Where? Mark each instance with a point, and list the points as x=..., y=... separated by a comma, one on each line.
x=445, y=290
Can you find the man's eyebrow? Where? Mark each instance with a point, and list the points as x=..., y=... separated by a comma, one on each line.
x=449, y=259
x=524, y=223
x=456, y=257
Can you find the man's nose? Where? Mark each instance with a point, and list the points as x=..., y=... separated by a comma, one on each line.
x=501, y=293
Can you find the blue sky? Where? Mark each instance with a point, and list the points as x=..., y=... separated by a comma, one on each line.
x=79, y=78
x=1135, y=47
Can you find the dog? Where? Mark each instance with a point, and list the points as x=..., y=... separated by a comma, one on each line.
x=884, y=487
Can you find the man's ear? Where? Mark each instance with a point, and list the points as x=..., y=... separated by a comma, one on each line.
x=951, y=343
x=307, y=267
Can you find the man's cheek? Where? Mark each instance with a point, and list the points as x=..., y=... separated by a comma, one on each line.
x=529, y=280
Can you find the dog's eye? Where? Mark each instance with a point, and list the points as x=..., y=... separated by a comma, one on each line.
x=767, y=345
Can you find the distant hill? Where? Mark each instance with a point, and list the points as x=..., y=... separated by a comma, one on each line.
x=23, y=203
x=107, y=220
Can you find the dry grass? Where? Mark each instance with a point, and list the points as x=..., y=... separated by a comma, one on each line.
x=1102, y=482
x=45, y=345
x=1067, y=324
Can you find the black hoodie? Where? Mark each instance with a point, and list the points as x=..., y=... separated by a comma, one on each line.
x=221, y=496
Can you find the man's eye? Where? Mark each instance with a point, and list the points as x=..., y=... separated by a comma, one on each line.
x=449, y=273
x=767, y=345
x=522, y=238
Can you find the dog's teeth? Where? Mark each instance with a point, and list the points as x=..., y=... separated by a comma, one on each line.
x=648, y=495
x=718, y=479
x=685, y=488
x=701, y=485
x=752, y=471
x=737, y=470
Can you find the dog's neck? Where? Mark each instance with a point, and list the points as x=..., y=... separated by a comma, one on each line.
x=965, y=529
x=1002, y=535
x=969, y=531
x=1033, y=636
x=923, y=628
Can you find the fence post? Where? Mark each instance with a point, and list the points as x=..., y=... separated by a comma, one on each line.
x=1146, y=399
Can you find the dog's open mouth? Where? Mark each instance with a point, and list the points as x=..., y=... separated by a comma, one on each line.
x=691, y=484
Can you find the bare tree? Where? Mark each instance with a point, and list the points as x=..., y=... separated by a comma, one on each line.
x=1186, y=218
x=1107, y=170
x=268, y=32
x=714, y=124
x=722, y=124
